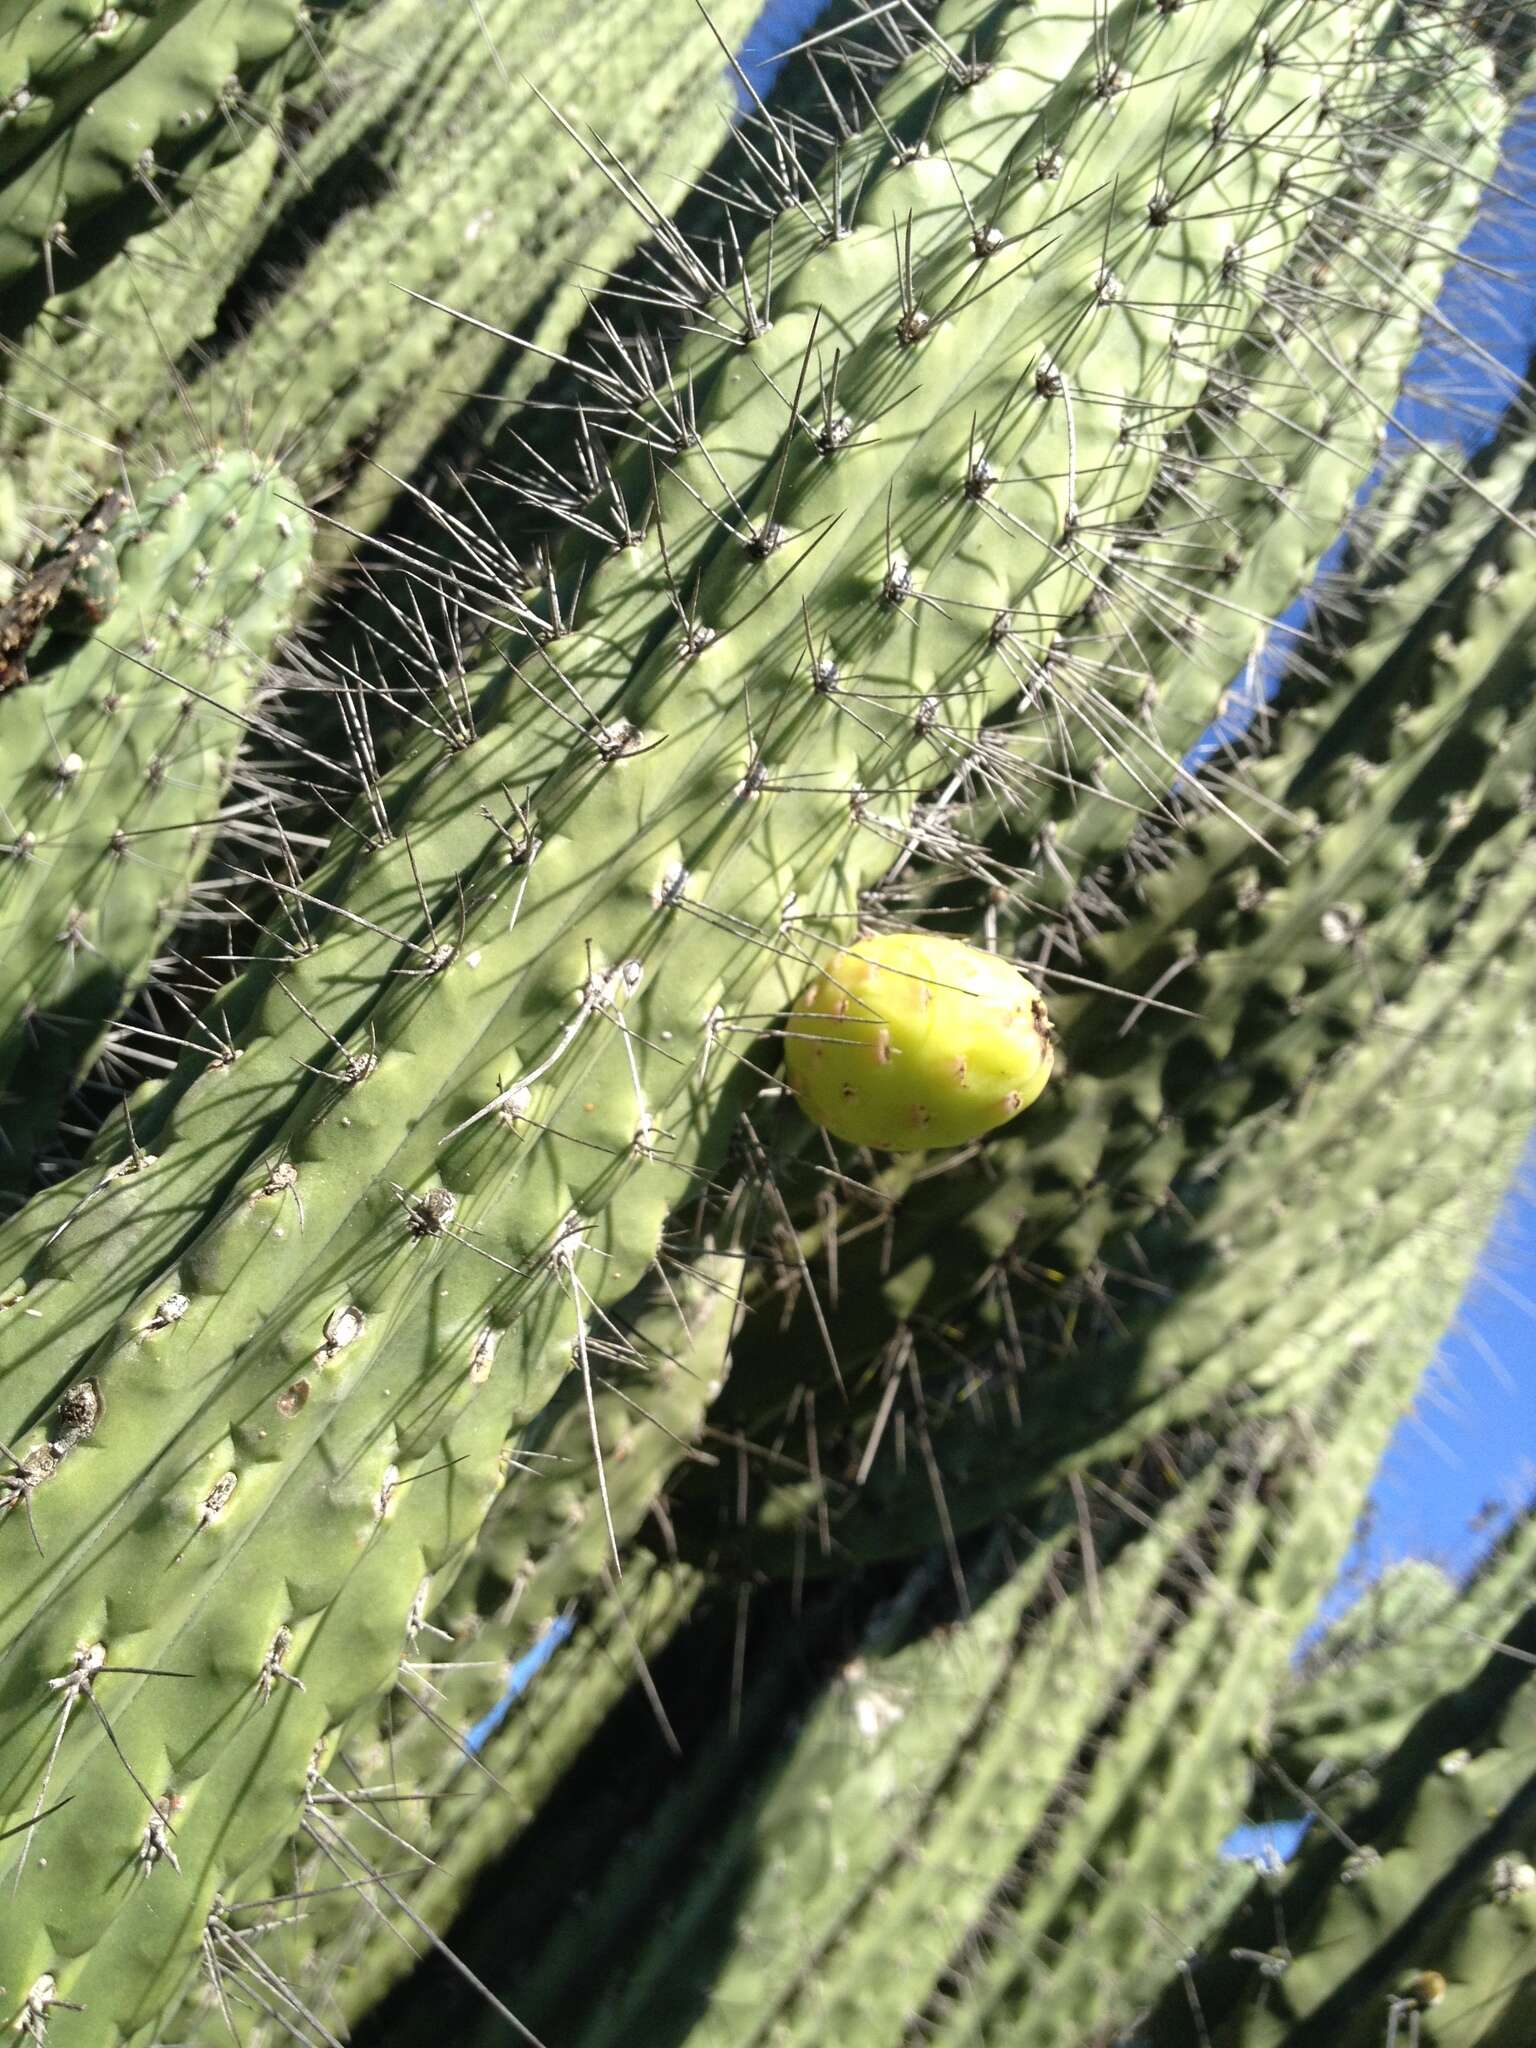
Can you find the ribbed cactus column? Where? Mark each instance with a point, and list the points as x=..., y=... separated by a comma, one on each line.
x=1142, y=1883
x=1251, y=494
x=96, y=356
x=524, y=1049
x=1361, y=1692
x=1012, y=1822
x=1242, y=952
x=117, y=752
x=111, y=114
x=291, y=322
x=581, y=1483
x=1415, y=1916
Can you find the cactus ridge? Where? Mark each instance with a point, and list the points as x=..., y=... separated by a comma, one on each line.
x=117, y=755
x=247, y=1360
x=262, y=1360
x=114, y=113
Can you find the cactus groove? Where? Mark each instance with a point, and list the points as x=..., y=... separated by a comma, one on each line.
x=118, y=749
x=466, y=1436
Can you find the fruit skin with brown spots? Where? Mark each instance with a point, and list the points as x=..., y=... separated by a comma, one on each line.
x=908, y=1041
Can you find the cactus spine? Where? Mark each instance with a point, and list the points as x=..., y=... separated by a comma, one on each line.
x=844, y=542
x=118, y=751
x=110, y=115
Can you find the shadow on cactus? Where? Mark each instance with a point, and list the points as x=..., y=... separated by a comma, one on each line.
x=463, y=1261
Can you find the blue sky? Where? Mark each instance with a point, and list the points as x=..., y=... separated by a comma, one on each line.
x=1472, y=1439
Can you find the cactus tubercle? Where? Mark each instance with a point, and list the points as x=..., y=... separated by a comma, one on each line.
x=907, y=1041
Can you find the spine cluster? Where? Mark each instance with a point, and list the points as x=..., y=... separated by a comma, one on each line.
x=737, y=1094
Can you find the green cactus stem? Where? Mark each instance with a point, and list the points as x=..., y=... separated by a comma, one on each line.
x=111, y=116
x=118, y=751
x=96, y=356
x=462, y=1096
x=1414, y=1918
x=545, y=1560
x=975, y=1828
x=1358, y=1697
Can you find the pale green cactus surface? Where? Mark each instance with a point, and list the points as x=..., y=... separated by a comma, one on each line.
x=705, y=1258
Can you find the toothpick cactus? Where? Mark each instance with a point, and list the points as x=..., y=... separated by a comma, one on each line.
x=110, y=114
x=1412, y=1916
x=277, y=303
x=141, y=649
x=572, y=1505
x=1356, y=1698
x=912, y=524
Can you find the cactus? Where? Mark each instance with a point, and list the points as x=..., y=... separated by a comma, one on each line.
x=591, y=648
x=490, y=1060
x=1257, y=487
x=581, y=223
x=978, y=1216
x=326, y=362
x=490, y=781
x=112, y=114
x=335, y=357
x=922, y=1883
x=97, y=355
x=118, y=749
x=1408, y=1594
x=1358, y=1698
x=1298, y=1573
x=578, y=1492
x=1414, y=1919
x=334, y=1960
x=1057, y=1979
x=1345, y=918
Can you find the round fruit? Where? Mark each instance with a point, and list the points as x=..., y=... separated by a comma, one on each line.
x=908, y=1041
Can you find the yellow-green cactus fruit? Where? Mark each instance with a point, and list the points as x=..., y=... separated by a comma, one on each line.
x=907, y=1041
